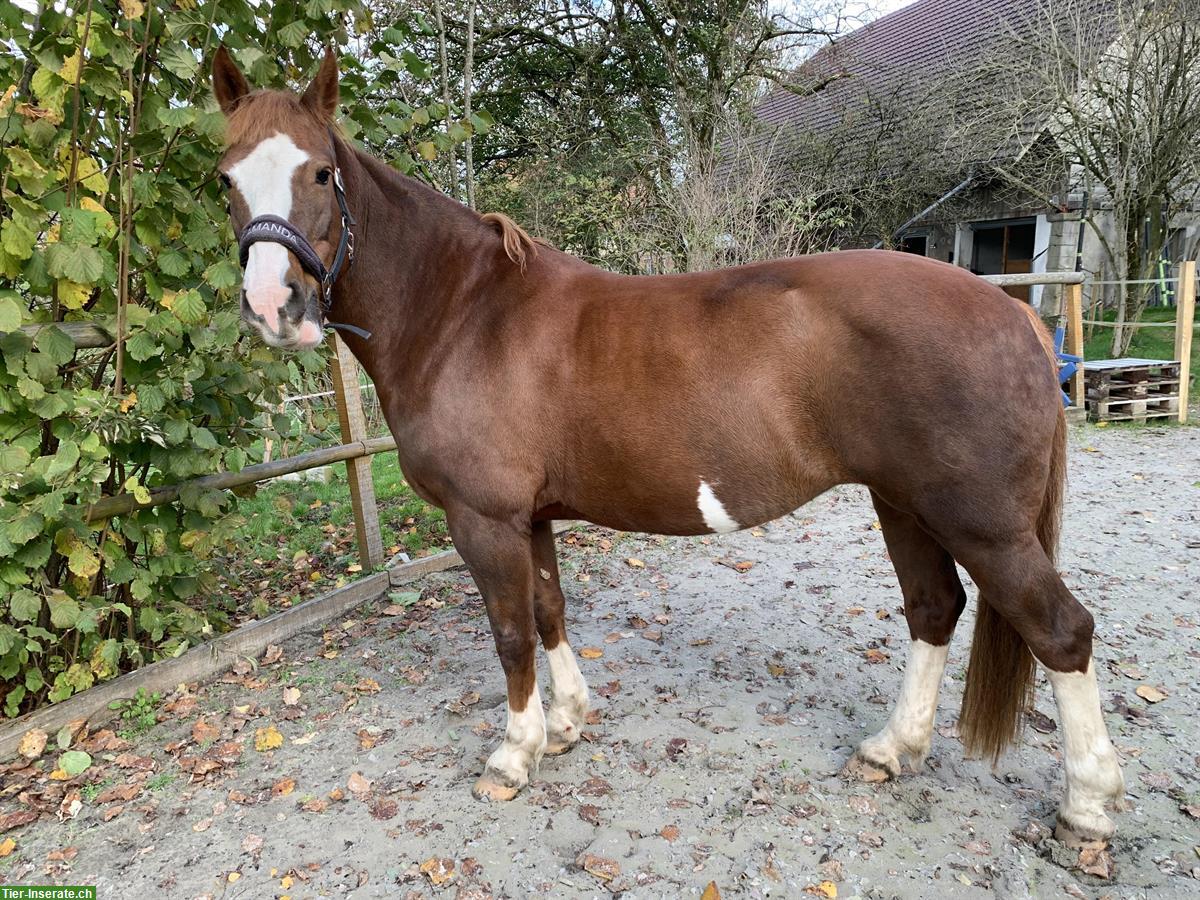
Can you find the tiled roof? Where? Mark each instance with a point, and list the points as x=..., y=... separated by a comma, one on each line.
x=897, y=56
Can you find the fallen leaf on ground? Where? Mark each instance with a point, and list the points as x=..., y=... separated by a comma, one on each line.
x=291, y=696
x=272, y=655
x=591, y=652
x=590, y=814
x=711, y=892
x=1095, y=862
x=252, y=844
x=384, y=809
x=7, y=846
x=875, y=655
x=1150, y=693
x=357, y=784
x=438, y=870
x=122, y=792
x=203, y=825
x=283, y=787
x=670, y=833
x=33, y=742
x=74, y=762
x=635, y=563
x=824, y=889
x=267, y=738
x=598, y=866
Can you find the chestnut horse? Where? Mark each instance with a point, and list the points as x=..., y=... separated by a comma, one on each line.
x=523, y=385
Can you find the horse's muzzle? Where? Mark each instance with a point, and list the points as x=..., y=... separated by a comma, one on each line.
x=287, y=316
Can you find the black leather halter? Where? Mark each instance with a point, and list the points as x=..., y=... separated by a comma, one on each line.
x=278, y=230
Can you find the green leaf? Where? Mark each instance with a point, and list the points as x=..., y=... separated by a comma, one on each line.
x=55, y=344
x=172, y=262
x=293, y=34
x=25, y=526
x=77, y=262
x=24, y=605
x=64, y=611
x=176, y=116
x=10, y=314
x=17, y=238
x=74, y=762
x=65, y=458
x=141, y=346
x=189, y=308
x=179, y=60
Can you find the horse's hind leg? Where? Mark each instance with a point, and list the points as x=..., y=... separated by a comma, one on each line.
x=1017, y=579
x=568, y=690
x=933, y=600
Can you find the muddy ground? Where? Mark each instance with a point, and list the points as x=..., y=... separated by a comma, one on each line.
x=726, y=702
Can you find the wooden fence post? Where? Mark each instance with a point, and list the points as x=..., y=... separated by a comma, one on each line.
x=1185, y=319
x=344, y=369
x=1075, y=340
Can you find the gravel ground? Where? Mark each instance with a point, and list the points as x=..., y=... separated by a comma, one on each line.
x=726, y=700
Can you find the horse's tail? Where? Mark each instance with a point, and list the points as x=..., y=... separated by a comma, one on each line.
x=1000, y=674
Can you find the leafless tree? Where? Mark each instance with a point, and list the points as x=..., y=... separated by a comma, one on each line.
x=1116, y=86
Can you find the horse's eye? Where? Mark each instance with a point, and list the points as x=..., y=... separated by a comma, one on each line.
x=224, y=179
x=323, y=176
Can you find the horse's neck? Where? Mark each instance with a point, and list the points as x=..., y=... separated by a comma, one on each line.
x=417, y=256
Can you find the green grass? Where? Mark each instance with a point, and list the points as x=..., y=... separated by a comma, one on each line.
x=299, y=536
x=1148, y=343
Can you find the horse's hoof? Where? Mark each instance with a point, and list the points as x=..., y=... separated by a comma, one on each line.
x=1093, y=836
x=557, y=746
x=862, y=769
x=494, y=787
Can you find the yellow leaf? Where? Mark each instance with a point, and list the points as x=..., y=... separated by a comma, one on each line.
x=7, y=846
x=70, y=68
x=59, y=775
x=234, y=876
x=824, y=889
x=129, y=402
x=267, y=738
x=133, y=9
x=711, y=892
x=634, y=563
x=286, y=882
x=90, y=175
x=1151, y=694
x=591, y=653
x=33, y=743
x=439, y=871
x=427, y=150
x=73, y=295
x=168, y=298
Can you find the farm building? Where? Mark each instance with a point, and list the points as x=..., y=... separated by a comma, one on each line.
x=927, y=97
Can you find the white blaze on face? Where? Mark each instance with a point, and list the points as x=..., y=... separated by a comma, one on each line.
x=713, y=511
x=264, y=179
x=1093, y=773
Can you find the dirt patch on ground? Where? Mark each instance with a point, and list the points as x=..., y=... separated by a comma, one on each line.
x=731, y=679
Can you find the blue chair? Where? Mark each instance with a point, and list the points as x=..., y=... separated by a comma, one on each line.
x=1068, y=364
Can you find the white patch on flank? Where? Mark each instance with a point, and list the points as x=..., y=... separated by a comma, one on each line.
x=909, y=731
x=524, y=741
x=264, y=179
x=1093, y=774
x=568, y=695
x=715, y=516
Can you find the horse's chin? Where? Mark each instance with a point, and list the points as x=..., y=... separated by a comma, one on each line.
x=307, y=335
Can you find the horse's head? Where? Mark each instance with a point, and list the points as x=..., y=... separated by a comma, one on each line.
x=280, y=164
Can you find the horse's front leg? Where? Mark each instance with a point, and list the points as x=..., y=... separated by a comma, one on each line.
x=568, y=690
x=499, y=555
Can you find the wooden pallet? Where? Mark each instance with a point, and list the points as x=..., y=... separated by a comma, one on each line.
x=1120, y=390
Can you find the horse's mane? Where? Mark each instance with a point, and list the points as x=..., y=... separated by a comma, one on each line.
x=518, y=245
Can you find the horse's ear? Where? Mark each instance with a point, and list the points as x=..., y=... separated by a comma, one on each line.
x=322, y=95
x=229, y=84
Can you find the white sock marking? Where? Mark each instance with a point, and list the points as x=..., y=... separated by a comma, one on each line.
x=909, y=731
x=568, y=692
x=1093, y=773
x=264, y=179
x=713, y=511
x=524, y=741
